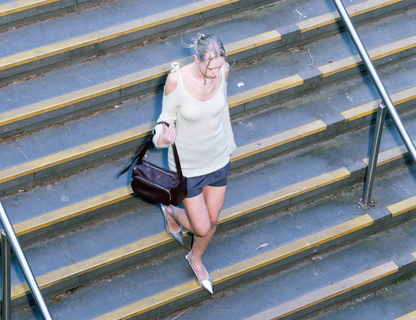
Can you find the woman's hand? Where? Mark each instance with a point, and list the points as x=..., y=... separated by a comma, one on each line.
x=167, y=137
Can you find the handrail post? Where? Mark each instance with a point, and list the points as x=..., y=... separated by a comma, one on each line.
x=6, y=312
x=372, y=161
x=27, y=272
x=376, y=79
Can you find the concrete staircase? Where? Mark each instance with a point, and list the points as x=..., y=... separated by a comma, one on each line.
x=80, y=92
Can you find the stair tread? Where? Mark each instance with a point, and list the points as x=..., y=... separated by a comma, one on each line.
x=124, y=63
x=336, y=266
x=246, y=239
x=390, y=303
x=109, y=15
x=120, y=64
x=80, y=246
x=309, y=138
x=283, y=169
x=22, y=153
x=84, y=22
x=250, y=129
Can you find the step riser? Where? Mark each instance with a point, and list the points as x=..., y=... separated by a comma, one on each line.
x=133, y=38
x=289, y=39
x=44, y=12
x=299, y=39
x=311, y=84
x=405, y=271
x=69, y=167
x=169, y=247
x=61, y=115
x=92, y=276
x=81, y=220
x=380, y=223
x=115, y=97
x=136, y=202
x=383, y=62
x=158, y=246
x=292, y=38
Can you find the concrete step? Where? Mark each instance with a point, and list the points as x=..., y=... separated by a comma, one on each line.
x=22, y=12
x=110, y=79
x=166, y=284
x=299, y=175
x=408, y=316
x=317, y=170
x=104, y=28
x=265, y=134
x=390, y=303
x=49, y=153
x=83, y=256
x=317, y=283
x=348, y=272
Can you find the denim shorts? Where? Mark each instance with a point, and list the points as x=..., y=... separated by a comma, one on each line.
x=214, y=179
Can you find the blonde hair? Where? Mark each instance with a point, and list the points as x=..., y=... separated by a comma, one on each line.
x=207, y=47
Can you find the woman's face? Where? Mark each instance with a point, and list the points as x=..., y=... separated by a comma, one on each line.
x=211, y=69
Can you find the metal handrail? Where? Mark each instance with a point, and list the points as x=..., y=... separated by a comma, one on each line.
x=386, y=100
x=9, y=238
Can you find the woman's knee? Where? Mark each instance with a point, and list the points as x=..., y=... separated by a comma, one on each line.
x=214, y=223
x=202, y=229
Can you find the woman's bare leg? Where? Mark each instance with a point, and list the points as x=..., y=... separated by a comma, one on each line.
x=200, y=218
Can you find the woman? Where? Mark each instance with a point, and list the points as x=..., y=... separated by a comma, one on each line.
x=195, y=98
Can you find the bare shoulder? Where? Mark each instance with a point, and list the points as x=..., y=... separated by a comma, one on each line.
x=171, y=82
x=226, y=70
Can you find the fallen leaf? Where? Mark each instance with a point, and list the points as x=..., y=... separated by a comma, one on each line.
x=262, y=246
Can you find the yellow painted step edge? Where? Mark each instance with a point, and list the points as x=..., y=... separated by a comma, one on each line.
x=72, y=211
x=59, y=102
x=409, y=316
x=375, y=54
x=391, y=155
x=328, y=292
x=110, y=33
x=124, y=82
x=22, y=5
x=47, y=51
x=232, y=48
x=332, y=17
x=278, y=140
x=161, y=18
x=402, y=206
x=238, y=269
x=252, y=42
x=120, y=194
x=371, y=107
x=284, y=194
x=100, y=261
x=33, y=166
x=144, y=245
x=265, y=90
x=55, y=159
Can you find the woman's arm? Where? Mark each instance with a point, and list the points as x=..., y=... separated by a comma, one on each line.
x=164, y=138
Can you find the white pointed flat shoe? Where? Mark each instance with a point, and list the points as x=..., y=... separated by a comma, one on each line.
x=175, y=235
x=206, y=284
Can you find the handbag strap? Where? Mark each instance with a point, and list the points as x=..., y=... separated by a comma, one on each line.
x=142, y=152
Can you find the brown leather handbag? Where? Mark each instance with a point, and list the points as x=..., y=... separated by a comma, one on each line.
x=156, y=183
